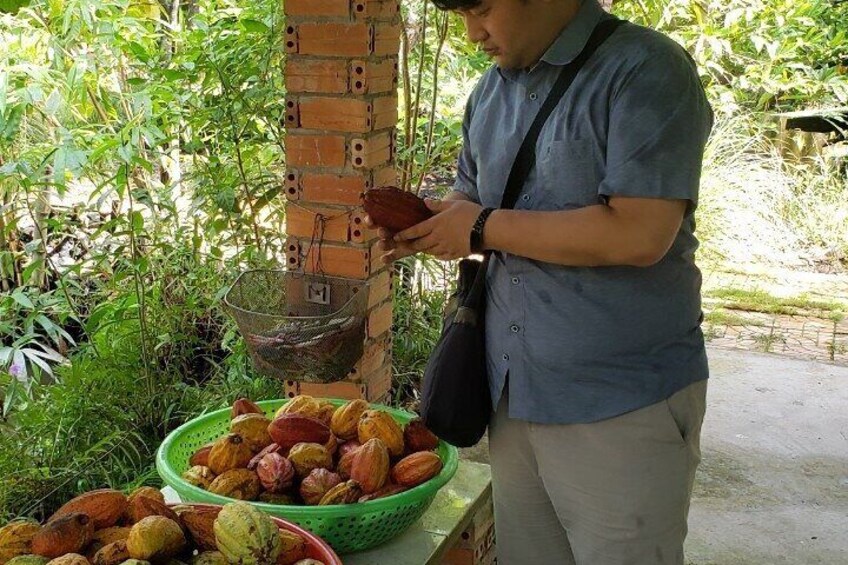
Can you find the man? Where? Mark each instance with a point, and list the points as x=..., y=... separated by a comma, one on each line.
x=596, y=359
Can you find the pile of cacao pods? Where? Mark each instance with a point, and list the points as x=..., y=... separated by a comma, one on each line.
x=105, y=527
x=315, y=453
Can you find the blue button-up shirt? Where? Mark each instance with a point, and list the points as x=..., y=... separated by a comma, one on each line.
x=583, y=344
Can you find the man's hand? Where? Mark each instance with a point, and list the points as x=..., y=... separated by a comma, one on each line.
x=446, y=235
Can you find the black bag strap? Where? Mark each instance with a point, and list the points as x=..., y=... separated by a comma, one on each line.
x=526, y=156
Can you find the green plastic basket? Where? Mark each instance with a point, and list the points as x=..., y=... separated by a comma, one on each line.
x=347, y=527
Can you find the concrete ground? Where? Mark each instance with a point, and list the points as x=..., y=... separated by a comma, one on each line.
x=773, y=484
x=772, y=488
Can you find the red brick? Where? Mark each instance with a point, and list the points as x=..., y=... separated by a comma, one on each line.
x=385, y=176
x=385, y=113
x=372, y=359
x=379, y=320
x=333, y=189
x=375, y=9
x=290, y=37
x=373, y=388
x=319, y=76
x=291, y=185
x=386, y=39
x=373, y=77
x=379, y=288
x=331, y=224
x=317, y=8
x=372, y=151
x=292, y=113
x=337, y=40
x=338, y=260
x=305, y=150
x=336, y=114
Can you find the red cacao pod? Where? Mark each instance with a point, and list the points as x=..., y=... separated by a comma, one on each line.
x=394, y=209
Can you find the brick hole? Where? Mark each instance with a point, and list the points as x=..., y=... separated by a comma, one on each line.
x=290, y=29
x=290, y=118
x=358, y=70
x=368, y=122
x=358, y=146
x=289, y=44
x=290, y=176
x=359, y=84
x=357, y=233
x=465, y=535
x=290, y=104
x=368, y=108
x=357, y=220
x=292, y=260
x=360, y=8
x=358, y=160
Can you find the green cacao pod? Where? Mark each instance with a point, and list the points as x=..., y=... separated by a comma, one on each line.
x=246, y=535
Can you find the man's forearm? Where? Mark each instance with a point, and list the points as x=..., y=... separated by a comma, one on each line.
x=586, y=237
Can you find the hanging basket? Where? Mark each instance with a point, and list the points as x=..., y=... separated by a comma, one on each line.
x=298, y=326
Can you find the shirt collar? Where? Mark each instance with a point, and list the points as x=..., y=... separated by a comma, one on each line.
x=571, y=40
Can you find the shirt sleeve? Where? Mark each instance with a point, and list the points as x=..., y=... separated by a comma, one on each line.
x=466, y=170
x=659, y=124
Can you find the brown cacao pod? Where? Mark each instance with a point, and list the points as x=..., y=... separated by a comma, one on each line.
x=347, y=492
x=387, y=490
x=290, y=429
x=370, y=467
x=142, y=506
x=300, y=404
x=198, y=522
x=253, y=428
x=201, y=456
x=316, y=484
x=394, y=209
x=244, y=406
x=275, y=472
x=417, y=437
x=111, y=535
x=199, y=476
x=351, y=445
x=332, y=445
x=69, y=533
x=273, y=448
x=155, y=538
x=241, y=484
x=104, y=506
x=308, y=456
x=346, y=418
x=294, y=548
x=148, y=492
x=346, y=464
x=111, y=554
x=325, y=411
x=229, y=452
x=16, y=539
x=379, y=424
x=417, y=468
x=69, y=559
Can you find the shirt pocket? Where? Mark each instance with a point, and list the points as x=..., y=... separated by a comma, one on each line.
x=569, y=175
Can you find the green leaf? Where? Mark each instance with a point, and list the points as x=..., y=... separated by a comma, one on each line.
x=137, y=221
x=22, y=299
x=254, y=26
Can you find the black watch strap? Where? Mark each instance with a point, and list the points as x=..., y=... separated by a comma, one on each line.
x=477, y=230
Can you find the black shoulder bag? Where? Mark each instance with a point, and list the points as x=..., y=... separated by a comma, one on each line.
x=455, y=400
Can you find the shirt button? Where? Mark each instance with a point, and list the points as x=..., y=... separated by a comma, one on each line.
x=514, y=328
x=533, y=96
x=526, y=197
x=505, y=357
x=515, y=280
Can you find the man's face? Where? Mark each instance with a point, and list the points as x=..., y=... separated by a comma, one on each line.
x=509, y=31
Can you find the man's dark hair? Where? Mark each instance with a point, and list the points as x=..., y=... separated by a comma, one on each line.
x=457, y=4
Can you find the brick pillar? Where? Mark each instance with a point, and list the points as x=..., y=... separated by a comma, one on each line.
x=341, y=84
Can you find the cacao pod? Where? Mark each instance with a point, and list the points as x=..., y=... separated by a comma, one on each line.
x=245, y=534
x=394, y=209
x=198, y=521
x=387, y=490
x=370, y=467
x=155, y=538
x=69, y=533
x=276, y=473
x=229, y=452
x=143, y=506
x=351, y=445
x=417, y=437
x=346, y=464
x=308, y=456
x=237, y=483
x=253, y=428
x=290, y=429
x=104, y=506
x=111, y=535
x=301, y=404
x=325, y=412
x=201, y=456
x=69, y=559
x=112, y=554
x=28, y=560
x=199, y=476
x=346, y=418
x=16, y=539
x=148, y=492
x=332, y=445
x=244, y=406
x=379, y=424
x=293, y=548
x=210, y=558
x=343, y=493
x=317, y=484
x=417, y=468
x=273, y=448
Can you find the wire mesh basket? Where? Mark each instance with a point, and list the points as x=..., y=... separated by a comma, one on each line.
x=298, y=326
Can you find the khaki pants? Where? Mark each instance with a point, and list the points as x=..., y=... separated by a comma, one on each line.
x=614, y=492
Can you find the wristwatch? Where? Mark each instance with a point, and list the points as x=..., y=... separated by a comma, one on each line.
x=476, y=237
